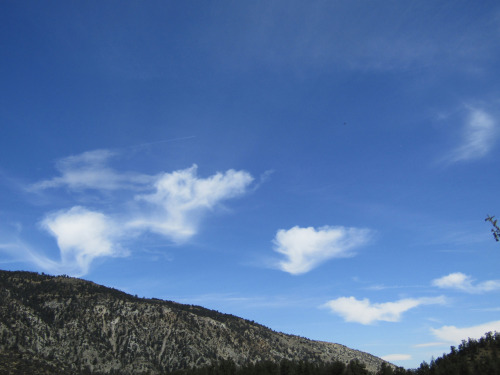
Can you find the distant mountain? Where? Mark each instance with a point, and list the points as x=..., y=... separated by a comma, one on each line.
x=67, y=325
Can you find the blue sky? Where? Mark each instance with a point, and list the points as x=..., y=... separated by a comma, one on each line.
x=323, y=168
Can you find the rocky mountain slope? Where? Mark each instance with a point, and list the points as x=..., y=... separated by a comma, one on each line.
x=77, y=326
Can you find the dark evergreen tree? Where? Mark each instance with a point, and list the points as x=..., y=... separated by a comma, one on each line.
x=355, y=367
x=496, y=229
x=385, y=369
x=336, y=368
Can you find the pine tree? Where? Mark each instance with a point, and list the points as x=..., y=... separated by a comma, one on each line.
x=496, y=229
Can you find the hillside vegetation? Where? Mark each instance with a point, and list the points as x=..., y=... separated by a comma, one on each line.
x=71, y=325
x=63, y=325
x=473, y=357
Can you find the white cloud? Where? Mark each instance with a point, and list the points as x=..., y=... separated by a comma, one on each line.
x=453, y=334
x=464, y=283
x=89, y=170
x=173, y=207
x=181, y=198
x=364, y=312
x=478, y=137
x=82, y=236
x=306, y=248
x=396, y=357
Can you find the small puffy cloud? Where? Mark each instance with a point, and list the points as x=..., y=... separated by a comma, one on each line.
x=396, y=357
x=365, y=312
x=460, y=281
x=306, y=248
x=89, y=170
x=82, y=236
x=454, y=334
x=180, y=198
x=478, y=137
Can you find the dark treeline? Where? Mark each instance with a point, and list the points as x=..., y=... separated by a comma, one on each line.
x=470, y=358
x=285, y=367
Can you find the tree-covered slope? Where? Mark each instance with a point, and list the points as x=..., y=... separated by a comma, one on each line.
x=78, y=326
x=472, y=357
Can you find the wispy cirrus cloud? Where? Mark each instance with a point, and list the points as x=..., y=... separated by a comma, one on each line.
x=463, y=282
x=365, y=312
x=90, y=170
x=18, y=251
x=306, y=248
x=169, y=204
x=454, y=334
x=323, y=35
x=253, y=301
x=429, y=344
x=478, y=138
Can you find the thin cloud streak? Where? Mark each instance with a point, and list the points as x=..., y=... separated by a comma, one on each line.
x=479, y=135
x=89, y=170
x=430, y=344
x=147, y=144
x=17, y=251
x=318, y=35
x=246, y=302
x=386, y=287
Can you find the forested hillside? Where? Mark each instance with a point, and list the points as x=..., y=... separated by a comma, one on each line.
x=473, y=357
x=78, y=326
x=63, y=325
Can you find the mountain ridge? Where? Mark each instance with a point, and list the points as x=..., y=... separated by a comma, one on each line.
x=82, y=326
